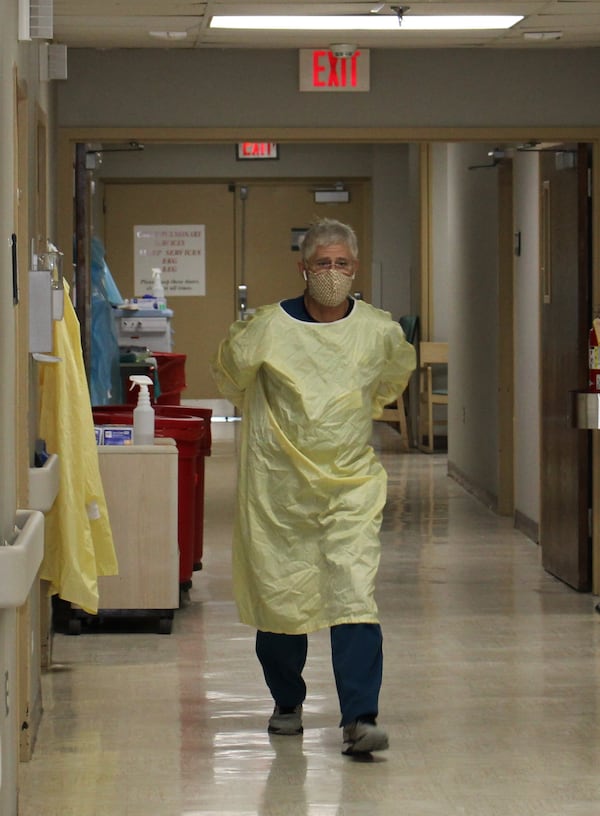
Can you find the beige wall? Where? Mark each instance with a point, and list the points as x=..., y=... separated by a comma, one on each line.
x=18, y=64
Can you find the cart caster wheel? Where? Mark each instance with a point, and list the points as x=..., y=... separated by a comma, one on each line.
x=74, y=626
x=165, y=626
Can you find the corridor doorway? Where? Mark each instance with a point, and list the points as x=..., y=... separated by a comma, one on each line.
x=68, y=137
x=249, y=230
x=270, y=216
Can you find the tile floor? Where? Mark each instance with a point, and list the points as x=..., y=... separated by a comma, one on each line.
x=491, y=691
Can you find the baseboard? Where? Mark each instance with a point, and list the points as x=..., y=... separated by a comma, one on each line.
x=527, y=526
x=521, y=522
x=30, y=728
x=486, y=498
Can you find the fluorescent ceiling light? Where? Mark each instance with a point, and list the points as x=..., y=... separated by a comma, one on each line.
x=366, y=22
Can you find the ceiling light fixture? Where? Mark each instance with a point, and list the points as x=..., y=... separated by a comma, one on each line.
x=364, y=22
x=169, y=35
x=400, y=12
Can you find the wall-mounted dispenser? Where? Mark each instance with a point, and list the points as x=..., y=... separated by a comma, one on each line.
x=52, y=260
x=46, y=297
x=40, y=311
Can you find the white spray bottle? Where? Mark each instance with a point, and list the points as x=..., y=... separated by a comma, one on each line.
x=158, y=291
x=143, y=414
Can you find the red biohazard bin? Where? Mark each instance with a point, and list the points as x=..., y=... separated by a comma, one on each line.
x=187, y=432
x=204, y=445
x=171, y=376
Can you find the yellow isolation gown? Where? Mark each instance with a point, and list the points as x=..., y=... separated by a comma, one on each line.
x=310, y=488
x=79, y=543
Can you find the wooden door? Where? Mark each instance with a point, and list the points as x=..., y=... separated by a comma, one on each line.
x=268, y=211
x=199, y=323
x=565, y=319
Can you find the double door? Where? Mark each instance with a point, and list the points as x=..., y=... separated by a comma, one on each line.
x=250, y=231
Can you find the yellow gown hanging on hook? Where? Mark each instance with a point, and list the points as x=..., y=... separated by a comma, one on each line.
x=79, y=543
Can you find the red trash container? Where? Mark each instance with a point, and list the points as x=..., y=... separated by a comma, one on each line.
x=187, y=432
x=204, y=446
x=171, y=376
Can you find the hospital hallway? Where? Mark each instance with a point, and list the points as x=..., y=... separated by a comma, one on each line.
x=491, y=692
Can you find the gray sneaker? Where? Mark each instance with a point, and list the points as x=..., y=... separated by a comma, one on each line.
x=286, y=721
x=364, y=737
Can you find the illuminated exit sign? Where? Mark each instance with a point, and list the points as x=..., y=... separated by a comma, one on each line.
x=320, y=70
x=257, y=150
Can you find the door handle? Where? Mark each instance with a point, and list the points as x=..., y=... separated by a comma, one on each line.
x=242, y=301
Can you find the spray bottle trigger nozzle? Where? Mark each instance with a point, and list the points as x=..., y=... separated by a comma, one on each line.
x=139, y=379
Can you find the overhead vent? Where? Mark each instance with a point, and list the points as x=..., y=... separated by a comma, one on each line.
x=36, y=19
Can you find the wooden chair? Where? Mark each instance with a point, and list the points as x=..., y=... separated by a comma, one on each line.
x=396, y=411
x=433, y=367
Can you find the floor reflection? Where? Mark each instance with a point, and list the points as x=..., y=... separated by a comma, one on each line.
x=490, y=695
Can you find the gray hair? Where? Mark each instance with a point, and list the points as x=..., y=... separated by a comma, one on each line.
x=325, y=232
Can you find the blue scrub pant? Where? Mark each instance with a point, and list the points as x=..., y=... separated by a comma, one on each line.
x=357, y=657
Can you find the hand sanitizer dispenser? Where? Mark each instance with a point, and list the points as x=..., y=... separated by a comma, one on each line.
x=52, y=260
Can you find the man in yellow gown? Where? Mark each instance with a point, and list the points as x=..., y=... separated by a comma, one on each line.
x=309, y=374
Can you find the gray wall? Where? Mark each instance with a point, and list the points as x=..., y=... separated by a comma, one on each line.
x=527, y=336
x=472, y=308
x=466, y=313
x=443, y=240
x=409, y=88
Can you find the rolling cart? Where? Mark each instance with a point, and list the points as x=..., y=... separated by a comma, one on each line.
x=140, y=486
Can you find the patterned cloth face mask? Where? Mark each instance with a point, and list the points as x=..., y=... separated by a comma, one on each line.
x=329, y=287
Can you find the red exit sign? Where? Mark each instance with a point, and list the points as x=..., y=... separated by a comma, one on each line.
x=257, y=150
x=320, y=70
